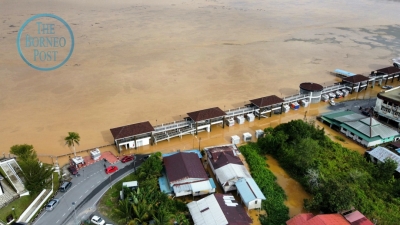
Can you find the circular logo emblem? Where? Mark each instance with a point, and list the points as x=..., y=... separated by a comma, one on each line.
x=45, y=42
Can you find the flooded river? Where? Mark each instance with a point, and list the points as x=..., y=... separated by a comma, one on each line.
x=157, y=60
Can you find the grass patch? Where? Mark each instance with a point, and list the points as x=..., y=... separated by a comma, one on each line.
x=111, y=197
x=56, y=181
x=340, y=138
x=20, y=205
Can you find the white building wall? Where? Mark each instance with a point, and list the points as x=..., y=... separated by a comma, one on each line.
x=255, y=204
x=140, y=142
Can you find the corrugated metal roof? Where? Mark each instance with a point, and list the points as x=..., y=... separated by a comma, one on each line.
x=186, y=151
x=249, y=190
x=207, y=211
x=183, y=166
x=231, y=171
x=361, y=124
x=182, y=187
x=372, y=131
x=201, y=186
x=381, y=153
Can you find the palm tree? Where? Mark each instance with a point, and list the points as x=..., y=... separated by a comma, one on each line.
x=72, y=139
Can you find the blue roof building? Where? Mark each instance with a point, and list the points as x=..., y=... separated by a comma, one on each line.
x=250, y=193
x=185, y=151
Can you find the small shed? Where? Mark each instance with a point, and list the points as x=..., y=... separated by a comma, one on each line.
x=247, y=137
x=294, y=105
x=230, y=122
x=130, y=184
x=78, y=160
x=250, y=193
x=304, y=103
x=250, y=117
x=240, y=119
x=95, y=154
x=285, y=108
x=259, y=133
x=235, y=139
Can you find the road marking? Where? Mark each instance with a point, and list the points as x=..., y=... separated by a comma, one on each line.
x=69, y=208
x=80, y=197
x=58, y=221
x=63, y=215
x=87, y=191
x=92, y=185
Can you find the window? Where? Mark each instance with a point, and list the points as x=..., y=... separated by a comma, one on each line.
x=255, y=202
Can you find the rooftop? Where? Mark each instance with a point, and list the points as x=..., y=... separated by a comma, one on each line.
x=389, y=70
x=184, y=165
x=357, y=218
x=323, y=219
x=218, y=209
x=131, y=130
x=365, y=127
x=223, y=155
x=392, y=95
x=382, y=153
x=356, y=79
x=206, y=114
x=267, y=101
x=309, y=86
x=249, y=190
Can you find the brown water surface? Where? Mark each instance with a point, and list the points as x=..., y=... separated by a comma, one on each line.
x=293, y=189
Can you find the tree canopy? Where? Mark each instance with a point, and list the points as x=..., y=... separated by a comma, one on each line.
x=337, y=177
x=23, y=152
x=37, y=175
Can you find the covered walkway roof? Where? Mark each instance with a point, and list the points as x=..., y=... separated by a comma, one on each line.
x=389, y=70
x=266, y=101
x=131, y=130
x=206, y=114
x=355, y=79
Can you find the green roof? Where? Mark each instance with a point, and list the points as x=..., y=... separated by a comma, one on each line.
x=361, y=135
x=335, y=114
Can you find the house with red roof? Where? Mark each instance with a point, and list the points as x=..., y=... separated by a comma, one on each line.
x=226, y=165
x=354, y=218
x=186, y=175
x=218, y=209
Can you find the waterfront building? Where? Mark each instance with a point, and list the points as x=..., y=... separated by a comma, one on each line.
x=218, y=209
x=186, y=175
x=314, y=90
x=365, y=130
x=387, y=106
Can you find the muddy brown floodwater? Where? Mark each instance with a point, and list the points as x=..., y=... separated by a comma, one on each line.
x=294, y=191
x=156, y=60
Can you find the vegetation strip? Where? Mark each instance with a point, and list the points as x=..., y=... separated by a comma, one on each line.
x=145, y=203
x=277, y=211
x=337, y=177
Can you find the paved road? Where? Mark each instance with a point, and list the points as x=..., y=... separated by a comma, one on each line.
x=86, y=190
x=354, y=105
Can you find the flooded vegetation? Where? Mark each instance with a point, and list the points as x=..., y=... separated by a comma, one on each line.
x=294, y=191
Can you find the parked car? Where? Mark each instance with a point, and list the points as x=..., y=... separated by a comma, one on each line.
x=332, y=102
x=127, y=158
x=387, y=87
x=111, y=169
x=52, y=204
x=65, y=185
x=73, y=170
x=97, y=220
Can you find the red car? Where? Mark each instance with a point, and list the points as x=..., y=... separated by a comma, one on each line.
x=127, y=158
x=73, y=170
x=111, y=169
